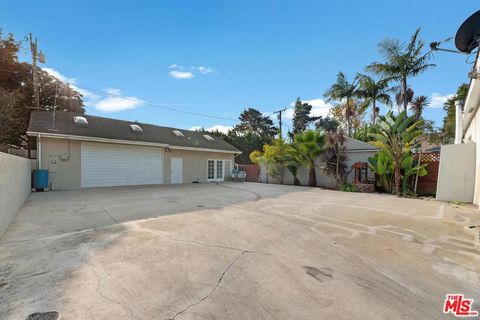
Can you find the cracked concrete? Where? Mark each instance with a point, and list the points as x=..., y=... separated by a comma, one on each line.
x=235, y=251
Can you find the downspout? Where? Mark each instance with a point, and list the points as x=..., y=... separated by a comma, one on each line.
x=458, y=121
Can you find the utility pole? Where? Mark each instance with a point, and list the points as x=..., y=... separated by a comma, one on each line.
x=36, y=56
x=280, y=119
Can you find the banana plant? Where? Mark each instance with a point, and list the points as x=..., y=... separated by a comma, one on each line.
x=395, y=135
x=382, y=165
x=409, y=168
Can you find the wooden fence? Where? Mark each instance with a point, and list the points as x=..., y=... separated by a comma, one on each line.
x=31, y=154
x=252, y=170
x=427, y=185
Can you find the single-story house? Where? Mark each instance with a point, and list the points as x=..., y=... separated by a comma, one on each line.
x=356, y=151
x=82, y=151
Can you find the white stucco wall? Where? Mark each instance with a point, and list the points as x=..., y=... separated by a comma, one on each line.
x=456, y=174
x=15, y=186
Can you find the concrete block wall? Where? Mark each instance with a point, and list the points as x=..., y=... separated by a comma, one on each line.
x=15, y=186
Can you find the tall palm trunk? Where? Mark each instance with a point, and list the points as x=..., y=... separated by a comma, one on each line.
x=405, y=95
x=312, y=177
x=374, y=111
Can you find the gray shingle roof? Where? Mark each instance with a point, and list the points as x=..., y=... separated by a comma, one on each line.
x=106, y=128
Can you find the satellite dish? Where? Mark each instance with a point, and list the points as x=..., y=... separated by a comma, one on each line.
x=468, y=35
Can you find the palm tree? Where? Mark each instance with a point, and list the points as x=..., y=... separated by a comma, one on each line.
x=293, y=161
x=417, y=106
x=402, y=62
x=310, y=144
x=344, y=90
x=395, y=135
x=372, y=92
x=400, y=97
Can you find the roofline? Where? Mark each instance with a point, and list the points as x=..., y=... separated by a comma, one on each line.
x=118, y=141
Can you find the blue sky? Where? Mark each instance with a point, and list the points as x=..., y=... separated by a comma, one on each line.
x=219, y=57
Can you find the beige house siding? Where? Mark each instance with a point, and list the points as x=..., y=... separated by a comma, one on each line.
x=194, y=164
x=62, y=174
x=65, y=174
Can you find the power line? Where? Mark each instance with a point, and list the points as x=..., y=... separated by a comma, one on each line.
x=165, y=107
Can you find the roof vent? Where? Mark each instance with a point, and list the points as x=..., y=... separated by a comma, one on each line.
x=80, y=120
x=178, y=133
x=207, y=137
x=136, y=128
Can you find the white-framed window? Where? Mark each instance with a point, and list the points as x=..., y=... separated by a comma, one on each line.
x=218, y=169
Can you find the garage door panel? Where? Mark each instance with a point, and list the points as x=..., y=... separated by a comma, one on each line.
x=119, y=165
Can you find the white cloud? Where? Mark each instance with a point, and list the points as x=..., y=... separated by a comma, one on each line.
x=59, y=76
x=114, y=104
x=87, y=95
x=181, y=74
x=205, y=70
x=113, y=91
x=217, y=127
x=437, y=100
x=319, y=108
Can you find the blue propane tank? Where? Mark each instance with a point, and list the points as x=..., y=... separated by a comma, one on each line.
x=40, y=179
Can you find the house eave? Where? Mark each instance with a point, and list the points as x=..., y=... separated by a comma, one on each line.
x=130, y=142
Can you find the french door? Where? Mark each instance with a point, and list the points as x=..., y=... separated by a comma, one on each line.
x=217, y=170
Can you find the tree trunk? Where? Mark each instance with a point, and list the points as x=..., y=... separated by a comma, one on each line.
x=374, y=113
x=405, y=98
x=296, y=182
x=397, y=180
x=312, y=178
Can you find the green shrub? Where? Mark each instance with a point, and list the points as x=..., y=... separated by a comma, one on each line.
x=348, y=187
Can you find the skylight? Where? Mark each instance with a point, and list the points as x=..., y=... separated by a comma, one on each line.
x=136, y=128
x=178, y=133
x=207, y=137
x=80, y=120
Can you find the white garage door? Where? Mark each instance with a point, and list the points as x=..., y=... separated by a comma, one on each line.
x=104, y=164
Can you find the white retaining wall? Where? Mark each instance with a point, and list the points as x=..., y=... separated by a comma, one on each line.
x=15, y=186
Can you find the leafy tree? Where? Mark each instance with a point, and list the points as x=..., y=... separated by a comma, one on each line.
x=403, y=61
x=373, y=91
x=449, y=119
x=395, y=135
x=16, y=95
x=327, y=124
x=310, y=144
x=335, y=156
x=273, y=157
x=349, y=114
x=301, y=117
x=342, y=90
x=417, y=105
x=253, y=121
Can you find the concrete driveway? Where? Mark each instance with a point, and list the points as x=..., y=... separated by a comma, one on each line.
x=235, y=251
